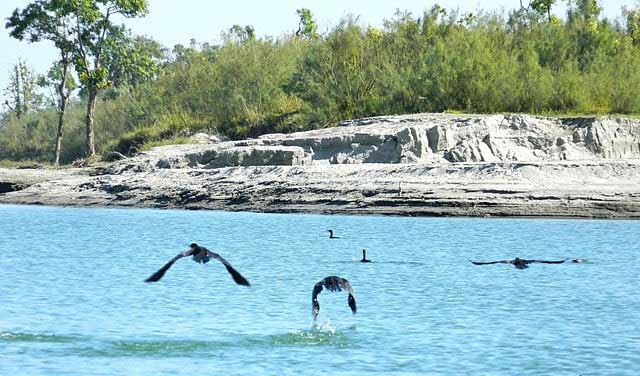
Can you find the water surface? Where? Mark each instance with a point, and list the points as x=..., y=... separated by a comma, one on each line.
x=73, y=301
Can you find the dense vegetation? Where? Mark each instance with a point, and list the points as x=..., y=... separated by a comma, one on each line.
x=526, y=61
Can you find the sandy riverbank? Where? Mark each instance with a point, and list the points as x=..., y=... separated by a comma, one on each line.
x=424, y=164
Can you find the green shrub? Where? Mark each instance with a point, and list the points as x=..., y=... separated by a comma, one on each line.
x=437, y=61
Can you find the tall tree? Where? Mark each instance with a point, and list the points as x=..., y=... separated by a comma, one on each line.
x=22, y=90
x=94, y=35
x=632, y=17
x=89, y=34
x=583, y=18
x=48, y=20
x=145, y=54
x=131, y=62
x=62, y=83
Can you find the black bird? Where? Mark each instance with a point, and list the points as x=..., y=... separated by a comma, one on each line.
x=518, y=262
x=364, y=256
x=332, y=283
x=200, y=255
x=331, y=235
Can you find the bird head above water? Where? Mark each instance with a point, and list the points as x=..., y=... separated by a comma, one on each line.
x=331, y=236
x=364, y=256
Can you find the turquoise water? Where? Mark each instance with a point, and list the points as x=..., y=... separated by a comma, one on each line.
x=73, y=301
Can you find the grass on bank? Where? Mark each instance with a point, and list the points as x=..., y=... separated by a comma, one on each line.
x=5, y=163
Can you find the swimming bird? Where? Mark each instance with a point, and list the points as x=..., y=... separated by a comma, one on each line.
x=579, y=261
x=200, y=255
x=364, y=256
x=518, y=262
x=331, y=235
x=332, y=283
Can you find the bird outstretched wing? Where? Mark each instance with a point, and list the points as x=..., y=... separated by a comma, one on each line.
x=490, y=262
x=155, y=277
x=547, y=262
x=237, y=277
x=351, y=299
x=315, y=306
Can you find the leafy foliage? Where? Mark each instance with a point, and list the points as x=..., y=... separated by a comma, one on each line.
x=84, y=33
x=307, y=27
x=526, y=61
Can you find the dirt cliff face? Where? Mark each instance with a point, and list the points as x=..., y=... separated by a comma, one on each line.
x=422, y=164
x=422, y=138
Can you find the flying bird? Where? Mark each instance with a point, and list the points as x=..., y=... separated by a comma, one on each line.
x=331, y=235
x=332, y=283
x=200, y=255
x=518, y=262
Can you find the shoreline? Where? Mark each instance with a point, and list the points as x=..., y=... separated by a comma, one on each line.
x=337, y=213
x=452, y=191
x=427, y=165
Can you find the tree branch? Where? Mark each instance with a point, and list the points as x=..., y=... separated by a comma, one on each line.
x=80, y=45
x=102, y=36
x=6, y=103
x=527, y=8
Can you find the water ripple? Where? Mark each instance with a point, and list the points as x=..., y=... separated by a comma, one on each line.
x=75, y=302
x=34, y=337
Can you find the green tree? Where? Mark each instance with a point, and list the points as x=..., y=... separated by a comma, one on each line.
x=588, y=10
x=307, y=27
x=47, y=20
x=632, y=18
x=63, y=84
x=239, y=34
x=22, y=90
x=437, y=61
x=543, y=7
x=131, y=62
x=340, y=78
x=91, y=33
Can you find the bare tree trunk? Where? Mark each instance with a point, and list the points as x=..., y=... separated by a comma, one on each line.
x=18, y=88
x=91, y=107
x=62, y=105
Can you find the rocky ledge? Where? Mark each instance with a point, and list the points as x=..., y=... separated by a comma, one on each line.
x=422, y=164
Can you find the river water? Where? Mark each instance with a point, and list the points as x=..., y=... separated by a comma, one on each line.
x=73, y=300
